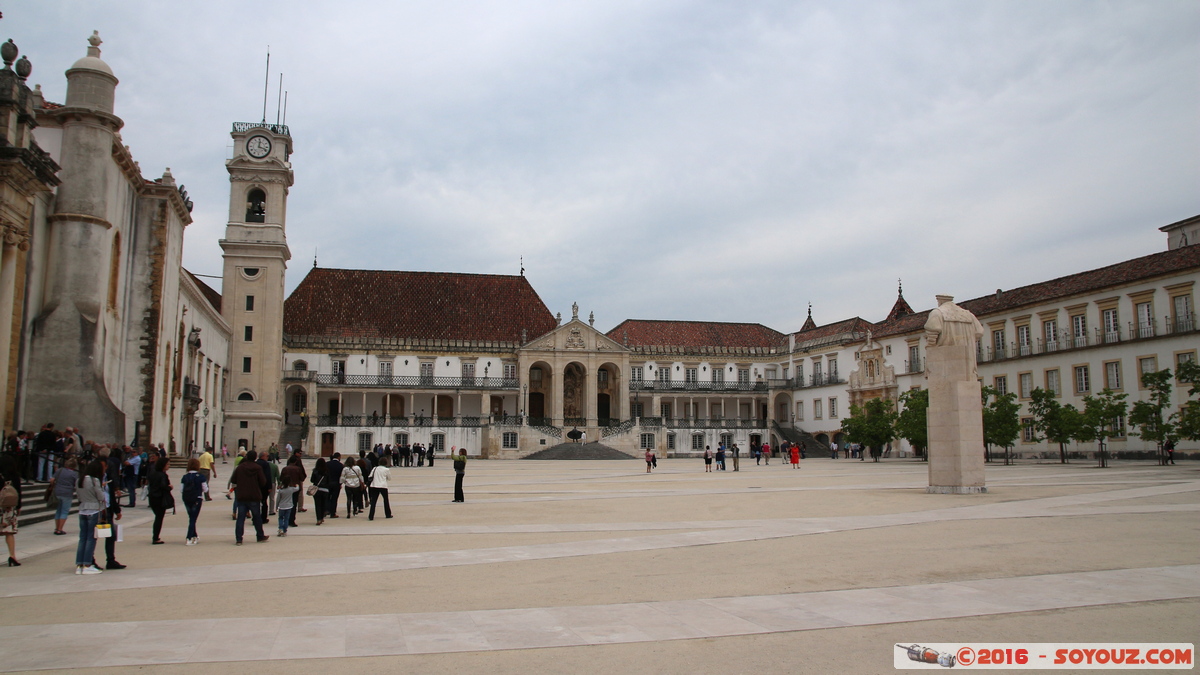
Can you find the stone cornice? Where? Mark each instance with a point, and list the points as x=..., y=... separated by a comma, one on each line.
x=78, y=218
x=75, y=113
x=356, y=345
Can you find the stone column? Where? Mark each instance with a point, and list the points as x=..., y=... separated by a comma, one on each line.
x=8, y=288
x=556, y=391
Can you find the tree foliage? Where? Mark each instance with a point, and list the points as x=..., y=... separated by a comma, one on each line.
x=1099, y=420
x=1001, y=420
x=911, y=424
x=1149, y=417
x=1187, y=419
x=871, y=424
x=1054, y=421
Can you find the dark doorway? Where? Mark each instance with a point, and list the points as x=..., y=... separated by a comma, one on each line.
x=537, y=405
x=327, y=444
x=603, y=408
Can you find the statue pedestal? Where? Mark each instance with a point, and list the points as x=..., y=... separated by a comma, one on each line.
x=955, y=422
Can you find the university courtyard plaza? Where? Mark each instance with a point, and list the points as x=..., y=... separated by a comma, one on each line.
x=595, y=566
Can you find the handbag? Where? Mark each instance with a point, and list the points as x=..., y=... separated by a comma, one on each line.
x=103, y=531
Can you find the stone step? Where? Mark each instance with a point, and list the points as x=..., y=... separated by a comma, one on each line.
x=579, y=451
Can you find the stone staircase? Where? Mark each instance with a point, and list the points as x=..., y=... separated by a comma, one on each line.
x=813, y=447
x=579, y=451
x=294, y=434
x=33, y=509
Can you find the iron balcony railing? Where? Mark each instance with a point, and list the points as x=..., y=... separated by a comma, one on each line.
x=680, y=385
x=239, y=127
x=402, y=422
x=719, y=423
x=915, y=366
x=415, y=381
x=1067, y=340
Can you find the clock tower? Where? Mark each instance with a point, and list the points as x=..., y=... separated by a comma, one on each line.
x=252, y=290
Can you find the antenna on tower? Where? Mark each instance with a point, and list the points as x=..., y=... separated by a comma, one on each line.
x=522, y=265
x=266, y=84
x=285, y=107
x=278, y=98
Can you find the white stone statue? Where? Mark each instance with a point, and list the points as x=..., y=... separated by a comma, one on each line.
x=949, y=324
x=955, y=415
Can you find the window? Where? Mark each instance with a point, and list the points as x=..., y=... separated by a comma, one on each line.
x=1118, y=426
x=602, y=376
x=1079, y=330
x=743, y=376
x=338, y=367
x=647, y=442
x=1147, y=364
x=664, y=410
x=635, y=374
x=1025, y=384
x=718, y=375
x=114, y=271
x=364, y=441
x=1183, y=357
x=1027, y=433
x=509, y=440
x=635, y=409
x=402, y=438
x=245, y=364
x=833, y=370
x=468, y=371
x=1112, y=375
x=299, y=402
x=664, y=374
x=914, y=358
x=785, y=372
x=1083, y=380
x=690, y=375
x=1050, y=328
x=248, y=334
x=250, y=272
x=670, y=441
x=833, y=408
x=1145, y=319
x=697, y=441
x=245, y=396
x=1000, y=383
x=249, y=303
x=1023, y=341
x=800, y=410
x=437, y=442
x=816, y=409
x=535, y=374
x=998, y=343
x=1053, y=382
x=243, y=425
x=300, y=365
x=385, y=368
x=1183, y=313
x=1112, y=325
x=727, y=440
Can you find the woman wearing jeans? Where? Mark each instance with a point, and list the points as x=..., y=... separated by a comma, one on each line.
x=92, y=499
x=194, y=491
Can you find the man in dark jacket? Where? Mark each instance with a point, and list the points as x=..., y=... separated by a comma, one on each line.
x=250, y=487
x=333, y=474
x=112, y=513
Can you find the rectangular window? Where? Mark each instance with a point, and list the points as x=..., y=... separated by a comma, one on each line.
x=718, y=375
x=1025, y=382
x=670, y=441
x=249, y=334
x=1112, y=326
x=1145, y=319
x=1118, y=426
x=799, y=374
x=249, y=303
x=1183, y=313
x=647, y=442
x=998, y=343
x=364, y=442
x=690, y=375
x=468, y=371
x=1079, y=330
x=243, y=425
x=427, y=372
x=1053, y=382
x=1148, y=364
x=785, y=372
x=1001, y=384
x=664, y=410
x=833, y=411
x=833, y=370
x=816, y=376
x=1184, y=357
x=799, y=410
x=914, y=358
x=1083, y=380
x=816, y=409
x=602, y=377
x=664, y=374
x=510, y=440
x=743, y=376
x=245, y=364
x=402, y=438
x=635, y=409
x=1112, y=375
x=635, y=374
x=1024, y=341
x=437, y=442
x=385, y=368
x=697, y=441
x=1050, y=330
x=510, y=371
x=1027, y=433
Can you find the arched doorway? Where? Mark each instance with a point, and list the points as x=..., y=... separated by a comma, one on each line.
x=824, y=438
x=608, y=393
x=296, y=402
x=537, y=403
x=838, y=438
x=574, y=395
x=445, y=406
x=783, y=408
x=603, y=409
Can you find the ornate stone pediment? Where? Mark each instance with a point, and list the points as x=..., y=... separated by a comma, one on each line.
x=575, y=335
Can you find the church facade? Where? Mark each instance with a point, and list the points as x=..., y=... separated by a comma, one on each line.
x=109, y=333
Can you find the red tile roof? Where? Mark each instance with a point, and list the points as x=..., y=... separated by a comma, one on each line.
x=647, y=333
x=415, y=305
x=847, y=328
x=213, y=297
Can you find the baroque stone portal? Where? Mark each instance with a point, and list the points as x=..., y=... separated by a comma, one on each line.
x=955, y=415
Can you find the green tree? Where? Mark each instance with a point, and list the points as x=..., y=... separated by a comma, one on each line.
x=1054, y=421
x=1149, y=417
x=1001, y=421
x=871, y=424
x=1187, y=419
x=911, y=424
x=1099, y=422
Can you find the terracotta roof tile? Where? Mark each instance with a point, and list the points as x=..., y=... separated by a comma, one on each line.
x=647, y=333
x=415, y=305
x=213, y=297
x=829, y=331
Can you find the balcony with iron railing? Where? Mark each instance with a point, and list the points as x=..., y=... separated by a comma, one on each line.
x=914, y=366
x=681, y=385
x=1067, y=340
x=411, y=381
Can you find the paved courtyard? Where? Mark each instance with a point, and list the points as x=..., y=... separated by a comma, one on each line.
x=594, y=566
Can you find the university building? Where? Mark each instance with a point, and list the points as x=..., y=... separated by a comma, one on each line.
x=109, y=333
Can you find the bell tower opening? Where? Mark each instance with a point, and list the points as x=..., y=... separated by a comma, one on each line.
x=256, y=206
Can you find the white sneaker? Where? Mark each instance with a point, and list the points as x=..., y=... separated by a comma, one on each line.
x=79, y=569
x=92, y=569
x=191, y=541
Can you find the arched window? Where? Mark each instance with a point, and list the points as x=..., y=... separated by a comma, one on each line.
x=300, y=365
x=256, y=206
x=245, y=396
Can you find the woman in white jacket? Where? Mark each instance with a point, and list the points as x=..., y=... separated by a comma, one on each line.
x=352, y=480
x=379, y=487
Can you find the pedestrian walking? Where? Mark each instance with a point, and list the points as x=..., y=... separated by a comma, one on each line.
x=159, y=496
x=460, y=468
x=62, y=491
x=91, y=507
x=250, y=488
x=795, y=456
x=708, y=459
x=10, y=505
x=649, y=460
x=194, y=491
x=379, y=487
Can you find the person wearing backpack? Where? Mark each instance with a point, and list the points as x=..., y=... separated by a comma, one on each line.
x=195, y=490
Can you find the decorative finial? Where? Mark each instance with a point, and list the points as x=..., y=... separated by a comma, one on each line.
x=522, y=265
x=574, y=311
x=810, y=309
x=314, y=258
x=24, y=68
x=899, y=288
x=558, y=318
x=94, y=43
x=592, y=319
x=8, y=52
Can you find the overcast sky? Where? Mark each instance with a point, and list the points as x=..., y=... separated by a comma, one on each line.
x=724, y=161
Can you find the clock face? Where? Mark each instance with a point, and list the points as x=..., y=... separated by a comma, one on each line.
x=258, y=146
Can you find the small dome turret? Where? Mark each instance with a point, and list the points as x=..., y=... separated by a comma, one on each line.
x=90, y=82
